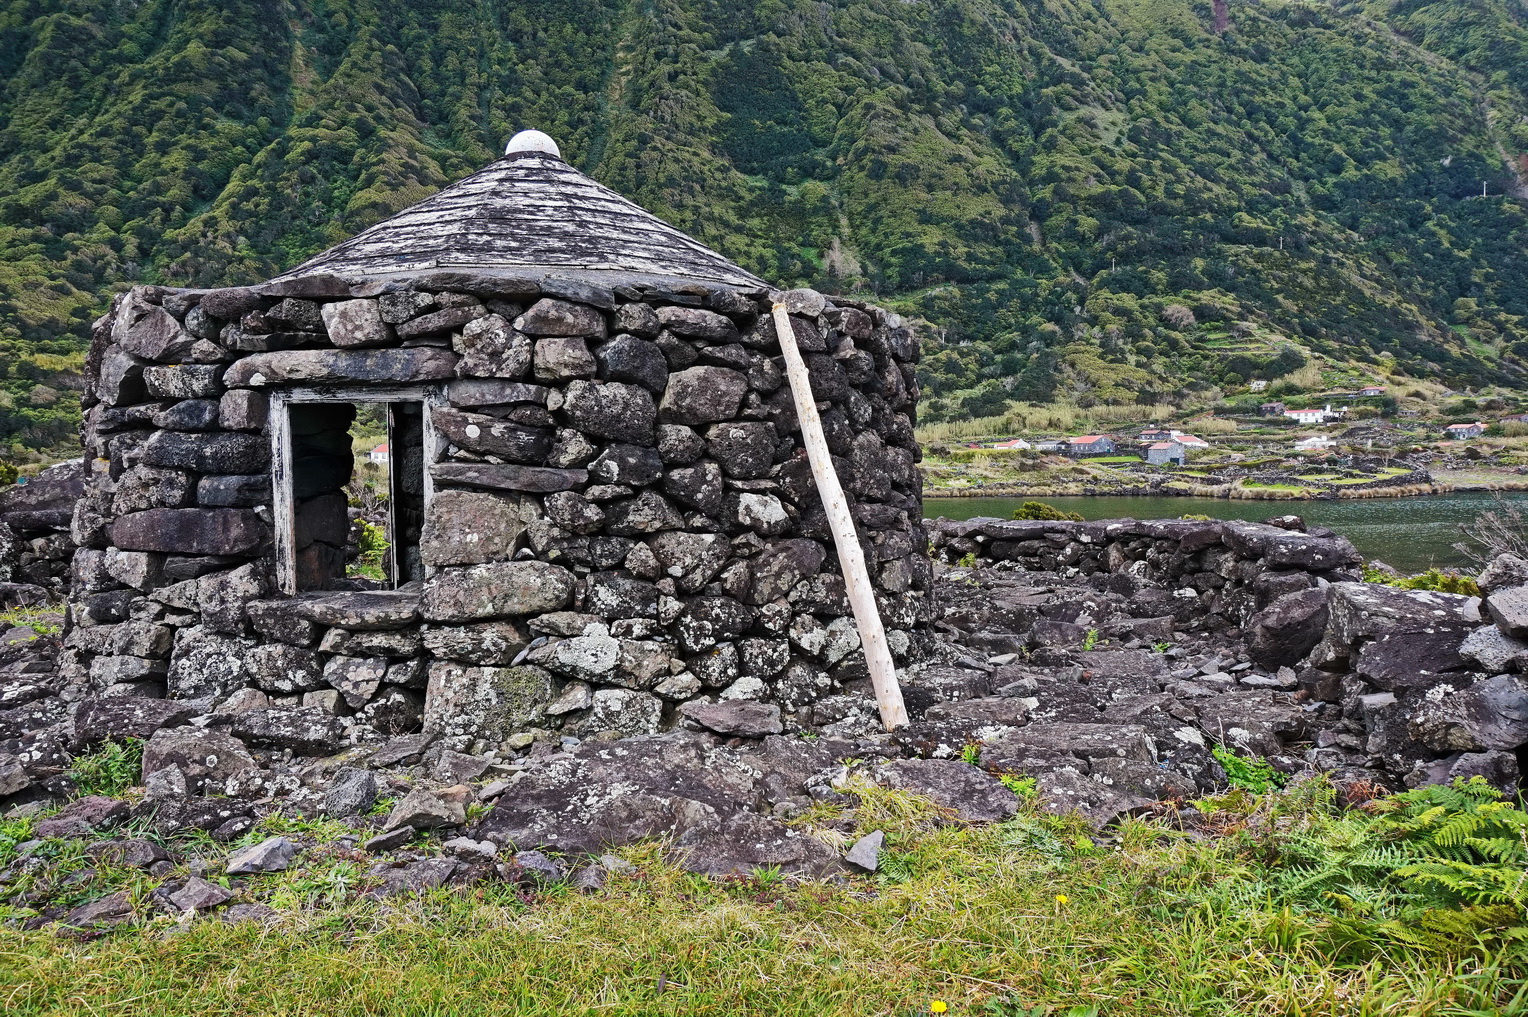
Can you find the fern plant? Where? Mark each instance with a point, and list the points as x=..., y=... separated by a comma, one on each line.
x=1441, y=866
x=1468, y=858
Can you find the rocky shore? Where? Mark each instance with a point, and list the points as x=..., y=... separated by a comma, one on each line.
x=1099, y=666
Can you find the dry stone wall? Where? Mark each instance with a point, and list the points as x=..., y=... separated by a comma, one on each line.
x=1212, y=574
x=624, y=518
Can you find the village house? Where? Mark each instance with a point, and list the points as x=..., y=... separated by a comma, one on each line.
x=1012, y=443
x=1272, y=409
x=1090, y=445
x=379, y=454
x=1162, y=434
x=1164, y=452
x=1257, y=385
x=1314, y=415
x=1371, y=390
x=1463, y=431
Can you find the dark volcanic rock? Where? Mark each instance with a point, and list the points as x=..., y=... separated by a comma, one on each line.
x=612, y=410
x=627, y=358
x=108, y=718
x=304, y=731
x=1490, y=715
x=745, y=719
x=668, y=785
x=703, y=395
x=972, y=795
x=1284, y=632
x=191, y=531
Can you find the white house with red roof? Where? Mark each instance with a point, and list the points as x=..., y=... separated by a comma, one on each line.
x=380, y=455
x=1463, y=431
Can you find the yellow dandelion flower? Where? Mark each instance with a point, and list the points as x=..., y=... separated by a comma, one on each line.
x=938, y=1006
x=1061, y=898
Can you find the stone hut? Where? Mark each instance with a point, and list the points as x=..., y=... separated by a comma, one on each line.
x=598, y=502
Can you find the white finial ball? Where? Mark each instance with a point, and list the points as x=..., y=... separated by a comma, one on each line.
x=532, y=141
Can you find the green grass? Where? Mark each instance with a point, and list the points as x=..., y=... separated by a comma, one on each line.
x=1029, y=917
x=110, y=770
x=44, y=620
x=1272, y=486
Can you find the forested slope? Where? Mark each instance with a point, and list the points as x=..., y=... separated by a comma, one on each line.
x=1106, y=200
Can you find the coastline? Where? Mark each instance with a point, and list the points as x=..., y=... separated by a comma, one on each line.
x=1228, y=492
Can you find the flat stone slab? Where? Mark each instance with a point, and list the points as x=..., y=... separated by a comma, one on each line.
x=390, y=365
x=745, y=719
x=362, y=611
x=508, y=477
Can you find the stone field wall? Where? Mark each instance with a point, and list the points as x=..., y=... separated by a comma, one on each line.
x=1213, y=574
x=624, y=518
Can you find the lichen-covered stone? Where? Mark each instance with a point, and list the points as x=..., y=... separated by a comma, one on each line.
x=352, y=323
x=485, y=702
x=702, y=395
x=496, y=589
x=612, y=410
x=468, y=527
x=378, y=366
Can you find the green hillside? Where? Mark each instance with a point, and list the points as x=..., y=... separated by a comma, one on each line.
x=1111, y=201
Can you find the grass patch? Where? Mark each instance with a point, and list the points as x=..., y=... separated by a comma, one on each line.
x=110, y=770
x=1111, y=459
x=1294, y=906
x=46, y=620
x=1268, y=485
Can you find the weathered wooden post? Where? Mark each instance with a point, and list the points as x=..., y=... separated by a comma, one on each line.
x=851, y=557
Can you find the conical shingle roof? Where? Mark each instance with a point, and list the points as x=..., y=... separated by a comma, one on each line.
x=527, y=213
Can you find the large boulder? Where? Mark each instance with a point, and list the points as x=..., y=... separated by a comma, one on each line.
x=1509, y=610
x=1281, y=548
x=703, y=395
x=47, y=500
x=487, y=703
x=613, y=410
x=114, y=718
x=677, y=785
x=971, y=795
x=1489, y=715
x=306, y=732
x=470, y=527
x=200, y=754
x=1363, y=611
x=423, y=363
x=1284, y=632
x=191, y=531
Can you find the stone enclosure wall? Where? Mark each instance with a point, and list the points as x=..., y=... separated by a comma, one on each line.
x=1215, y=575
x=620, y=514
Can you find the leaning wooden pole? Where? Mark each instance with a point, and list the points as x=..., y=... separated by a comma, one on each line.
x=851, y=557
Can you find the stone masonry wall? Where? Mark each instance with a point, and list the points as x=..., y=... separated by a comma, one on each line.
x=624, y=516
x=1214, y=574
